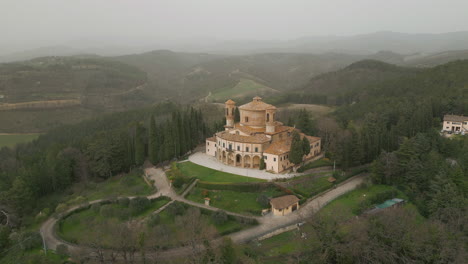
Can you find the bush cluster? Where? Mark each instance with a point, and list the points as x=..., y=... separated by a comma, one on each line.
x=239, y=187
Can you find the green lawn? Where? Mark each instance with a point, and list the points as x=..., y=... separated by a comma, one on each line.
x=190, y=170
x=243, y=88
x=347, y=203
x=90, y=225
x=79, y=227
x=31, y=256
x=309, y=186
x=316, y=164
x=233, y=201
x=131, y=184
x=10, y=140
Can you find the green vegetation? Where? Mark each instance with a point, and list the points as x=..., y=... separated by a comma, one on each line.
x=316, y=164
x=83, y=225
x=33, y=256
x=10, y=140
x=243, y=88
x=87, y=81
x=235, y=201
x=189, y=169
x=101, y=224
x=351, y=203
x=308, y=186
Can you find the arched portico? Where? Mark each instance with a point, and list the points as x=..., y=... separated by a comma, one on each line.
x=247, y=161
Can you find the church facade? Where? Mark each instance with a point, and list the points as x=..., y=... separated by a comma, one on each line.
x=257, y=136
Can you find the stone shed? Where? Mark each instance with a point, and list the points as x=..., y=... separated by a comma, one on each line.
x=284, y=205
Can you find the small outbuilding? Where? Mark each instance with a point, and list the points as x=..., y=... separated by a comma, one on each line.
x=284, y=205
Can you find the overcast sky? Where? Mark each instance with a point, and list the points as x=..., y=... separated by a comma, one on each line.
x=34, y=23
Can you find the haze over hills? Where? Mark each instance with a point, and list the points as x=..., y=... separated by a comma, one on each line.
x=403, y=43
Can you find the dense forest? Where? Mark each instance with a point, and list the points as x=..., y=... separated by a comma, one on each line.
x=93, y=151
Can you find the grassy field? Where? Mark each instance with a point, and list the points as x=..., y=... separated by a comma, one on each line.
x=79, y=227
x=32, y=256
x=131, y=184
x=244, y=87
x=234, y=201
x=10, y=140
x=349, y=202
x=190, y=170
x=90, y=225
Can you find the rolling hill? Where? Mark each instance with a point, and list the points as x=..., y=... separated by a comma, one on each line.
x=44, y=92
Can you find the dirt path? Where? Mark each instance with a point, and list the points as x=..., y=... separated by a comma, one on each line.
x=266, y=225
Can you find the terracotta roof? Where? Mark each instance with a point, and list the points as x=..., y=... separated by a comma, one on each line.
x=257, y=105
x=312, y=139
x=249, y=129
x=455, y=118
x=230, y=102
x=279, y=147
x=244, y=139
x=283, y=201
x=280, y=128
x=211, y=139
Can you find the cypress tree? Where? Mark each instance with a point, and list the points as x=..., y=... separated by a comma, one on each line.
x=236, y=115
x=152, y=142
x=139, y=146
x=305, y=146
x=296, y=151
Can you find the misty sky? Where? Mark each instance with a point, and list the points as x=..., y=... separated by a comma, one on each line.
x=34, y=23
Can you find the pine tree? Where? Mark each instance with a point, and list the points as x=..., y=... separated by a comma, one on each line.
x=152, y=142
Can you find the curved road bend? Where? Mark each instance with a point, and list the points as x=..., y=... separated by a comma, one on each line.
x=266, y=224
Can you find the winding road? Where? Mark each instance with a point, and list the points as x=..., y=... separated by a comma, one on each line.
x=266, y=224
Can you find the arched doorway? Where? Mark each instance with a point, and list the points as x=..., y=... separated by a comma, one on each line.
x=238, y=160
x=247, y=161
x=230, y=160
x=223, y=157
x=256, y=162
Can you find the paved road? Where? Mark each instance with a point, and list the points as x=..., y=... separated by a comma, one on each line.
x=266, y=224
x=205, y=160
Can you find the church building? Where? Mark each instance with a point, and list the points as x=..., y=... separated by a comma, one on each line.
x=257, y=136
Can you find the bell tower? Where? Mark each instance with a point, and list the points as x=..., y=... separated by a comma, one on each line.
x=230, y=107
x=270, y=119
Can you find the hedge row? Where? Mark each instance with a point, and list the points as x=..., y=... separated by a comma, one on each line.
x=239, y=187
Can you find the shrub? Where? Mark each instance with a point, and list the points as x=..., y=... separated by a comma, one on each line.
x=30, y=240
x=205, y=193
x=62, y=250
x=96, y=207
x=262, y=164
x=108, y=210
x=153, y=220
x=263, y=200
x=176, y=209
x=178, y=182
x=128, y=180
x=138, y=205
x=123, y=214
x=124, y=201
x=239, y=187
x=61, y=208
x=219, y=217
